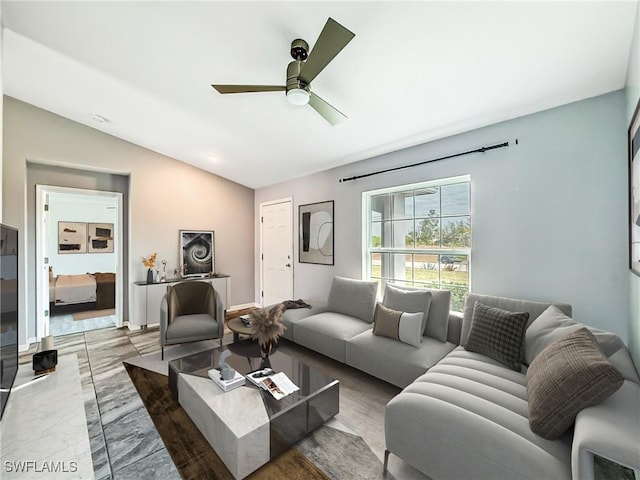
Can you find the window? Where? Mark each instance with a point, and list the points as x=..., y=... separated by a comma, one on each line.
x=420, y=235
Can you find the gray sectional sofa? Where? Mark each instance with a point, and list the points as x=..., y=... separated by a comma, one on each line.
x=462, y=414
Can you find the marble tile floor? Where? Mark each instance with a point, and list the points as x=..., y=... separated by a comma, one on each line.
x=124, y=441
x=65, y=324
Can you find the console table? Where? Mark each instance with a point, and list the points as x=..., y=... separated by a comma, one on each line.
x=147, y=298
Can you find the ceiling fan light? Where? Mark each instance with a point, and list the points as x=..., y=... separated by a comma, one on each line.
x=298, y=96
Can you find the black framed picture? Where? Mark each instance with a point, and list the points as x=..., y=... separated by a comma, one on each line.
x=634, y=192
x=197, y=253
x=315, y=231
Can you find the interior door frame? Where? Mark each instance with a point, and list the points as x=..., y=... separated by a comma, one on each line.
x=266, y=204
x=42, y=274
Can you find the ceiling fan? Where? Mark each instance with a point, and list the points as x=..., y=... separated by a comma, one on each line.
x=304, y=68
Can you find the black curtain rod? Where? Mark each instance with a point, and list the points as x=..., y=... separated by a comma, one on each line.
x=477, y=150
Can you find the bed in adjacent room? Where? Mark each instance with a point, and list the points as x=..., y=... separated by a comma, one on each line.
x=87, y=291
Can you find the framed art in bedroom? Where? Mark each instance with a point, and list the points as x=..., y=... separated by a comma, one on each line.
x=100, y=238
x=315, y=242
x=634, y=191
x=72, y=237
x=197, y=253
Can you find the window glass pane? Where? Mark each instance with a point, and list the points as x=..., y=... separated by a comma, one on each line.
x=455, y=199
x=377, y=260
x=426, y=268
x=376, y=234
x=456, y=232
x=427, y=233
x=402, y=205
x=402, y=267
x=454, y=270
x=386, y=239
x=457, y=298
x=402, y=234
x=381, y=207
x=427, y=202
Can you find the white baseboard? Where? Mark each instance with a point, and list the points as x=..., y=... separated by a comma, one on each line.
x=242, y=306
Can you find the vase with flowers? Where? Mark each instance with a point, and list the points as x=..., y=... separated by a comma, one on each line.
x=149, y=263
x=267, y=328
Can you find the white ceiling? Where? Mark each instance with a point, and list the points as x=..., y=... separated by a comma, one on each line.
x=415, y=71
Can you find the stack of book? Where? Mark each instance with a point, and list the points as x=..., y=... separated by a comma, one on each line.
x=236, y=381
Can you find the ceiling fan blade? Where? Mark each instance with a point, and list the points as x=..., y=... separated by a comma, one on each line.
x=333, y=38
x=330, y=113
x=248, y=88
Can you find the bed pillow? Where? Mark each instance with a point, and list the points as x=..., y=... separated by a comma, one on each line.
x=567, y=376
x=498, y=334
x=356, y=298
x=402, y=326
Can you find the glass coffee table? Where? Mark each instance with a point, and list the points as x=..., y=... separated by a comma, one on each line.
x=246, y=426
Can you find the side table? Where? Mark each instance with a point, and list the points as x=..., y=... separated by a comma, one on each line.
x=238, y=328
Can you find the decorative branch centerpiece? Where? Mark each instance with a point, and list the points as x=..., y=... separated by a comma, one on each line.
x=267, y=327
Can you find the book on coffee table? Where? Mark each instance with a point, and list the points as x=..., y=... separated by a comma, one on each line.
x=226, y=385
x=277, y=384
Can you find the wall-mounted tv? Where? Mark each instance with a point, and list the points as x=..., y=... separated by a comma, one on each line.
x=8, y=311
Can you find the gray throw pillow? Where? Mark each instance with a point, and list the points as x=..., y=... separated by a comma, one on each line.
x=408, y=301
x=553, y=324
x=403, y=326
x=356, y=298
x=438, y=315
x=567, y=376
x=498, y=334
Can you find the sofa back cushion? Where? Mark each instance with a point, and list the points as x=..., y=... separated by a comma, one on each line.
x=409, y=299
x=553, y=324
x=356, y=298
x=534, y=309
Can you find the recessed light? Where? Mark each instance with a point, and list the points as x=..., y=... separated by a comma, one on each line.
x=99, y=118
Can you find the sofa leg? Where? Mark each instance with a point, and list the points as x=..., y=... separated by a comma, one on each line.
x=162, y=353
x=386, y=461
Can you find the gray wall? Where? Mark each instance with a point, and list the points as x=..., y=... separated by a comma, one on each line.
x=164, y=196
x=633, y=97
x=549, y=216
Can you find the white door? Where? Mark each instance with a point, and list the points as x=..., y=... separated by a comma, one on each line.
x=276, y=252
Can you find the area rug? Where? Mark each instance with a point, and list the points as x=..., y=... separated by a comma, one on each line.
x=94, y=314
x=328, y=453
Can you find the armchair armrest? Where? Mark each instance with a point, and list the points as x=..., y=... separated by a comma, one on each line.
x=219, y=313
x=164, y=318
x=611, y=430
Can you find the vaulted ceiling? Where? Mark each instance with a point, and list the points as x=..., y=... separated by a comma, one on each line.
x=415, y=71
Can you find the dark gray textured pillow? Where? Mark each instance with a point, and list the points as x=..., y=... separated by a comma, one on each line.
x=356, y=298
x=567, y=376
x=498, y=334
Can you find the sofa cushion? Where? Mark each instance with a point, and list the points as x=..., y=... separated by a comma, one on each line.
x=392, y=361
x=327, y=333
x=567, y=376
x=437, y=313
x=356, y=298
x=467, y=418
x=512, y=304
x=291, y=316
x=553, y=325
x=498, y=334
x=408, y=301
x=403, y=326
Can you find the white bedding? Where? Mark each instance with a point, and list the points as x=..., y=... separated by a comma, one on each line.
x=74, y=289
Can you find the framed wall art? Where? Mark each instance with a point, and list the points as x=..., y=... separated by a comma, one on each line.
x=72, y=237
x=634, y=192
x=197, y=253
x=100, y=238
x=315, y=243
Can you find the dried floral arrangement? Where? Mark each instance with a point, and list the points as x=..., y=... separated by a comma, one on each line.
x=151, y=261
x=266, y=324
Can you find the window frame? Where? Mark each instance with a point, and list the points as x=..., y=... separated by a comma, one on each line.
x=367, y=220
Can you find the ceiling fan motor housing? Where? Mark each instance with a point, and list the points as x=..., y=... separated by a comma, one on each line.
x=297, y=91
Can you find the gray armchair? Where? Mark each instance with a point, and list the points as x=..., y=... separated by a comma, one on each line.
x=192, y=311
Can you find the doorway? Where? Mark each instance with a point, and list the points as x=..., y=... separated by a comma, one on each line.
x=79, y=260
x=276, y=251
